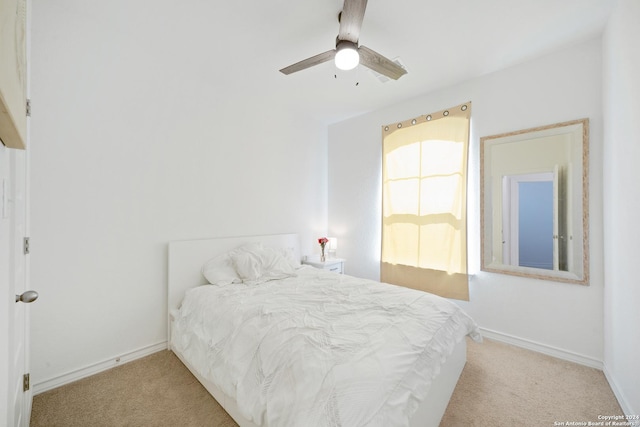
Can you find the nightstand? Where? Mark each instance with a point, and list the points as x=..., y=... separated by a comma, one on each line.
x=331, y=264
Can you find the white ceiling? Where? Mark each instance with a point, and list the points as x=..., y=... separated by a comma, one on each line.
x=440, y=43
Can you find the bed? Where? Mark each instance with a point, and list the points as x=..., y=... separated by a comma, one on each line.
x=315, y=383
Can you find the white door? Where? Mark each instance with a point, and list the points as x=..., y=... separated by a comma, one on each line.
x=511, y=215
x=6, y=289
x=556, y=218
x=20, y=393
x=15, y=404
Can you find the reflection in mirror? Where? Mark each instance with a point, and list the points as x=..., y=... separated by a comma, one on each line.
x=534, y=202
x=530, y=221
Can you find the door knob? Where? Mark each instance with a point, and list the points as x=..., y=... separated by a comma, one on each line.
x=27, y=296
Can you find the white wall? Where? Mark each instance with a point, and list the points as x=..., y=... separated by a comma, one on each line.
x=563, y=86
x=622, y=203
x=140, y=136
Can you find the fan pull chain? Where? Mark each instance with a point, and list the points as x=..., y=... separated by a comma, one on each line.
x=335, y=76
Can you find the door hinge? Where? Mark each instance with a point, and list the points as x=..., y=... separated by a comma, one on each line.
x=26, y=246
x=25, y=382
x=28, y=108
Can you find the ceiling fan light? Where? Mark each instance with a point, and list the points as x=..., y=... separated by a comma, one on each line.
x=347, y=57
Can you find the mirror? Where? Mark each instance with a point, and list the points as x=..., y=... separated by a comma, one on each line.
x=534, y=202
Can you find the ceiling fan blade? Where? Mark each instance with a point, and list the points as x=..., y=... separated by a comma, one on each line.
x=351, y=20
x=380, y=64
x=309, y=62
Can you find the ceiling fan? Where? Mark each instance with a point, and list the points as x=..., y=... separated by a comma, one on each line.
x=348, y=54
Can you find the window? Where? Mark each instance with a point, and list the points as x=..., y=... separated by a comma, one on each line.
x=424, y=224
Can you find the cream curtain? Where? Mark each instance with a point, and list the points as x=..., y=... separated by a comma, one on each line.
x=424, y=193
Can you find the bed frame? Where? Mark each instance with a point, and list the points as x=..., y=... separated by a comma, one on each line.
x=185, y=262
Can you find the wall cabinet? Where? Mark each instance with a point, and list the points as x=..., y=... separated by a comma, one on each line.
x=13, y=73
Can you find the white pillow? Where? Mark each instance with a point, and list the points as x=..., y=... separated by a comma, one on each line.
x=219, y=271
x=256, y=264
x=275, y=266
x=247, y=264
x=291, y=258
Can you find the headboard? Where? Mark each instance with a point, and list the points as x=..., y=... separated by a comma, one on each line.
x=186, y=258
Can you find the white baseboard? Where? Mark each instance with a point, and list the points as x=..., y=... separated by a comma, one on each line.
x=622, y=400
x=543, y=348
x=69, y=377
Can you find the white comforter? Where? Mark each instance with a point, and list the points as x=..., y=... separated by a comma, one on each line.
x=320, y=349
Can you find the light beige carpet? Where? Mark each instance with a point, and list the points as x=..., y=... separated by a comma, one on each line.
x=501, y=385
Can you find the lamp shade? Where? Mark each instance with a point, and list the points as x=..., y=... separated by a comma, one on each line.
x=347, y=56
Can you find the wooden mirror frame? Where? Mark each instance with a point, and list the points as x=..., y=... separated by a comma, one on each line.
x=580, y=274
